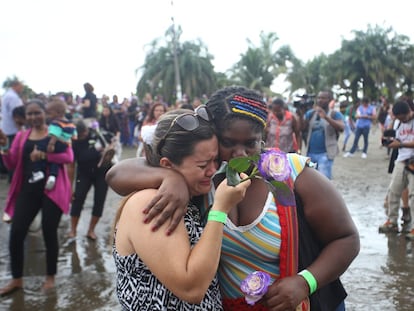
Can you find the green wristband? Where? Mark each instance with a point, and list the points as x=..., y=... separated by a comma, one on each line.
x=310, y=279
x=217, y=216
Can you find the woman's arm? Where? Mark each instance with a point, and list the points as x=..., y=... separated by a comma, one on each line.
x=188, y=272
x=171, y=199
x=329, y=219
x=11, y=156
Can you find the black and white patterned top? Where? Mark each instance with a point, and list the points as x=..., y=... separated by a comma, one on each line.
x=138, y=289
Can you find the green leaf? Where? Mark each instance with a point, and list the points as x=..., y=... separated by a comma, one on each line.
x=233, y=177
x=242, y=164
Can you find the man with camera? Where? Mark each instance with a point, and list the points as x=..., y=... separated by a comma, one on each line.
x=403, y=172
x=324, y=126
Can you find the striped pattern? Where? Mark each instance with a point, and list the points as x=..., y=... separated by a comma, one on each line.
x=257, y=245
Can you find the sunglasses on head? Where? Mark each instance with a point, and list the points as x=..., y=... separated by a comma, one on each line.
x=187, y=121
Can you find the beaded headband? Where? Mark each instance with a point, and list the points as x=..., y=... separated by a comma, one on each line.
x=249, y=107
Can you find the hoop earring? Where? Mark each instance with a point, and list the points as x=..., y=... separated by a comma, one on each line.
x=262, y=145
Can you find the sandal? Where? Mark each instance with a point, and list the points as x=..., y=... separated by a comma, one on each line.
x=9, y=289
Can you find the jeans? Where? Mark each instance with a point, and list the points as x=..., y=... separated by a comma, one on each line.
x=348, y=131
x=324, y=164
x=364, y=131
x=131, y=138
x=341, y=307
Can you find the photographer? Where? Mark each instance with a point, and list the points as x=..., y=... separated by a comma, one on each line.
x=324, y=127
x=402, y=175
x=302, y=106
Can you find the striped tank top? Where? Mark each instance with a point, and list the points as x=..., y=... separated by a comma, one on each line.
x=254, y=246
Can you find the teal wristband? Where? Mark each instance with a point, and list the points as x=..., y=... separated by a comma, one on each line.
x=217, y=216
x=310, y=279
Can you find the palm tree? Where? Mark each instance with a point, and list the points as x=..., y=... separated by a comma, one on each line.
x=194, y=62
x=374, y=61
x=260, y=66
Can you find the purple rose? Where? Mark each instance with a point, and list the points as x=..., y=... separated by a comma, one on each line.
x=274, y=165
x=254, y=286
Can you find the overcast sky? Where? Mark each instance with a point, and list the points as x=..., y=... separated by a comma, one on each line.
x=57, y=45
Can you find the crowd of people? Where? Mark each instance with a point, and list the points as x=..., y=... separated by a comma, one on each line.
x=55, y=149
x=261, y=232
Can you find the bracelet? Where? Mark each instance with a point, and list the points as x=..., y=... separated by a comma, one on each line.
x=217, y=216
x=310, y=279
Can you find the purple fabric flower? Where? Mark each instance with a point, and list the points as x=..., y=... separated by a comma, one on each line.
x=274, y=165
x=254, y=286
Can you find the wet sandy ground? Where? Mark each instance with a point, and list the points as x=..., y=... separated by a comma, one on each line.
x=381, y=278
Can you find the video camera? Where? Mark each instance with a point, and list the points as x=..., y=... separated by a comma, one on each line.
x=305, y=102
x=388, y=137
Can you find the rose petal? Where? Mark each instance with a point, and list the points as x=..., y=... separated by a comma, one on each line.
x=274, y=165
x=255, y=285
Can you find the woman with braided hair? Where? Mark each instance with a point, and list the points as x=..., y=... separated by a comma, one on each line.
x=304, y=247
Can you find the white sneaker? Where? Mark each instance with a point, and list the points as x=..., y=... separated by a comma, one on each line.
x=364, y=155
x=50, y=183
x=36, y=176
x=348, y=155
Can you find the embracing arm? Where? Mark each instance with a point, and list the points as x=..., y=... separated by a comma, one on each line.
x=134, y=174
x=189, y=270
x=171, y=200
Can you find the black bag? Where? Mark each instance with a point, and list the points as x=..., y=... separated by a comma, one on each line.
x=393, y=157
x=331, y=295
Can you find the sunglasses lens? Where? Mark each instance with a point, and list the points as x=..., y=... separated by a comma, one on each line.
x=203, y=113
x=188, y=122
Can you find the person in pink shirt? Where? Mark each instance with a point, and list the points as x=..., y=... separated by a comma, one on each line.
x=25, y=200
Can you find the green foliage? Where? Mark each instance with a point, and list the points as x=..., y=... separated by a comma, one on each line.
x=259, y=66
x=27, y=91
x=375, y=62
x=240, y=165
x=194, y=63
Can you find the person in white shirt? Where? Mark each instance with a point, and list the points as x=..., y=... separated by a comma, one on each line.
x=11, y=99
x=403, y=172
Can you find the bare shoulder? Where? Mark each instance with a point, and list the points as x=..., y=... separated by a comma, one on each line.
x=324, y=208
x=134, y=204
